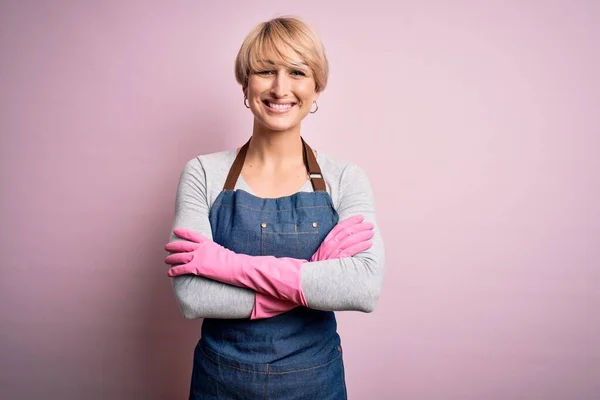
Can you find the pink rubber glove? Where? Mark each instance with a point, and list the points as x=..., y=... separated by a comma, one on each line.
x=277, y=277
x=346, y=239
x=265, y=306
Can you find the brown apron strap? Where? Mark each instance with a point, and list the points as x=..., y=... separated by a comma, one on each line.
x=312, y=166
x=314, y=170
x=236, y=168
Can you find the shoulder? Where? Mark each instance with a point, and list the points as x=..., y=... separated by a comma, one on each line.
x=206, y=173
x=212, y=164
x=346, y=181
x=339, y=171
x=210, y=160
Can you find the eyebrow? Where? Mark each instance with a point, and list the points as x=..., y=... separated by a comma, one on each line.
x=302, y=64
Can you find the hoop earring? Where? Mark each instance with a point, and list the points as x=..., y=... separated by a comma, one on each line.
x=316, y=109
x=245, y=98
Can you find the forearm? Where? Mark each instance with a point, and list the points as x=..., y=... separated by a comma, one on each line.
x=200, y=297
x=347, y=284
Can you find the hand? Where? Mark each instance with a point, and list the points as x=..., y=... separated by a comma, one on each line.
x=184, y=252
x=182, y=246
x=346, y=239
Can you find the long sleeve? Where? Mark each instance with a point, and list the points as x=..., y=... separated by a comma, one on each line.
x=200, y=297
x=352, y=283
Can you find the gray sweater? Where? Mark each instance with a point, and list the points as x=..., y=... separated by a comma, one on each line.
x=352, y=283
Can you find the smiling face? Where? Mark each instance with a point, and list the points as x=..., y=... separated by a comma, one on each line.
x=280, y=94
x=282, y=68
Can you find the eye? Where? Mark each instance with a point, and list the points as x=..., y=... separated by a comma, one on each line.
x=264, y=72
x=297, y=72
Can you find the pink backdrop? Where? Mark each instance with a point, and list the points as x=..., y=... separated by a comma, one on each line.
x=477, y=123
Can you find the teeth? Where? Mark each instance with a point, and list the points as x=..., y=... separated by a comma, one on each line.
x=280, y=106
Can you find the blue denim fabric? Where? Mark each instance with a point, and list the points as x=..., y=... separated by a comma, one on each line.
x=295, y=355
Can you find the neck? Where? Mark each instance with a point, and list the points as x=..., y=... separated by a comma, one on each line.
x=275, y=148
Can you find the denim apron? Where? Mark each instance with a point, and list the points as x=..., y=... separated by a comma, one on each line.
x=297, y=354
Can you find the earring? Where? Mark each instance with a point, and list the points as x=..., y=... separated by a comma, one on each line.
x=245, y=98
x=315, y=103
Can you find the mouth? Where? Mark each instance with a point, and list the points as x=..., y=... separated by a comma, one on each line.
x=278, y=107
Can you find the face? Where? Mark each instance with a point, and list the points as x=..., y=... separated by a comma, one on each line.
x=280, y=97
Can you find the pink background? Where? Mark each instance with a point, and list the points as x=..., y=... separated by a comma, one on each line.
x=477, y=122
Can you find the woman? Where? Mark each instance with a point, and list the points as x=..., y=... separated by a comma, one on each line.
x=269, y=240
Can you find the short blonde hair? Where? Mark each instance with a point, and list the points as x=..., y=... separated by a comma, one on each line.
x=277, y=37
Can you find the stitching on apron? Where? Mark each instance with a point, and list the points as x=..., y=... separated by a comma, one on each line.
x=297, y=238
x=267, y=383
x=343, y=373
x=275, y=211
x=292, y=233
x=269, y=372
x=305, y=369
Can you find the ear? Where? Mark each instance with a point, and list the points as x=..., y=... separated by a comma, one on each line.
x=245, y=90
x=317, y=94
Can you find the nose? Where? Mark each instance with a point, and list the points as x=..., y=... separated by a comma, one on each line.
x=281, y=85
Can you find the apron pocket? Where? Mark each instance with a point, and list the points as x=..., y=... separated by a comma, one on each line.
x=299, y=240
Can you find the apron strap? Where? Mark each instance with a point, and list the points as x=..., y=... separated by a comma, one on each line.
x=312, y=166
x=236, y=168
x=314, y=170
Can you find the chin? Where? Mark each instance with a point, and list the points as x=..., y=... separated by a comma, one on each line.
x=279, y=127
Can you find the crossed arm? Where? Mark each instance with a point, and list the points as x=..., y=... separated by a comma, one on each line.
x=349, y=283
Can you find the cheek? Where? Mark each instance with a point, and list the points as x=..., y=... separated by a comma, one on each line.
x=307, y=91
x=251, y=91
x=255, y=86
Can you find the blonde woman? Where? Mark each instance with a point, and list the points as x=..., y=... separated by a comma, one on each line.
x=270, y=240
